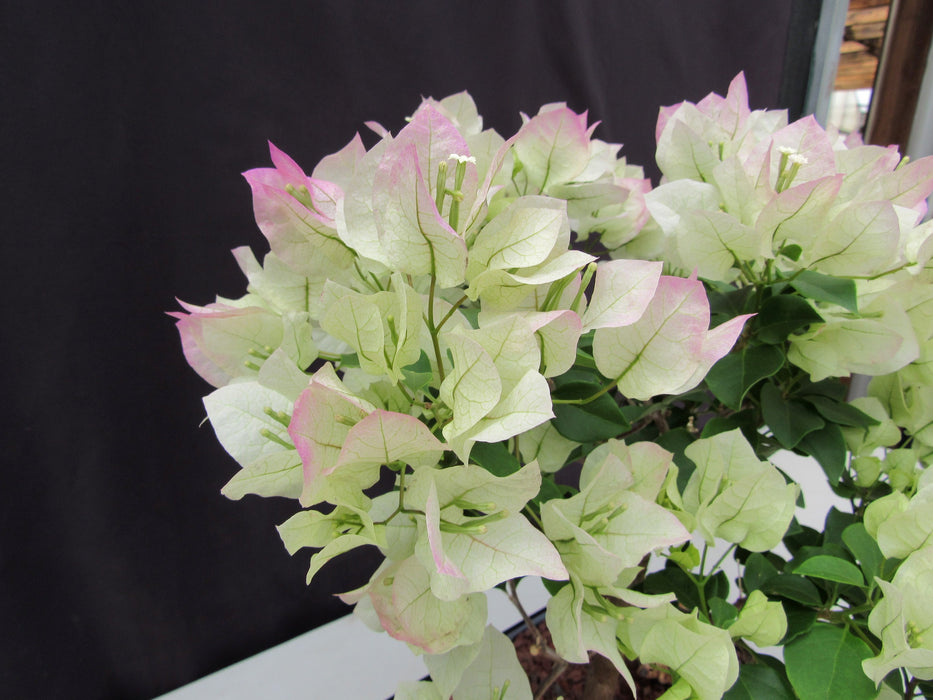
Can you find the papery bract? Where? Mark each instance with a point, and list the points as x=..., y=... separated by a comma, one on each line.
x=734, y=495
x=217, y=339
x=523, y=235
x=385, y=328
x=545, y=445
x=341, y=167
x=669, y=349
x=903, y=620
x=901, y=525
x=474, y=487
x=621, y=293
x=793, y=215
x=508, y=548
x=240, y=413
x=575, y=632
x=301, y=232
x=383, y=437
x=702, y=655
x=806, y=139
x=553, y=146
x=409, y=612
x=415, y=237
x=713, y=241
x=489, y=669
x=494, y=389
x=881, y=341
x=609, y=526
x=863, y=239
x=761, y=621
x=323, y=416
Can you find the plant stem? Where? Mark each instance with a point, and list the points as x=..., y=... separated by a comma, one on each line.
x=529, y=513
x=588, y=399
x=858, y=632
x=433, y=329
x=555, y=673
x=512, y=593
x=720, y=560
x=451, y=312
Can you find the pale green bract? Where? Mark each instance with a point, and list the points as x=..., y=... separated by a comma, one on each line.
x=903, y=620
x=735, y=496
x=762, y=622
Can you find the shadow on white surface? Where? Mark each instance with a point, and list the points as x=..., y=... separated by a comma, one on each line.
x=343, y=659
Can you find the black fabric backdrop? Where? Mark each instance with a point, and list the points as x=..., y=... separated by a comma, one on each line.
x=123, y=572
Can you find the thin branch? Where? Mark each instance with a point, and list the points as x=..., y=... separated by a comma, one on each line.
x=555, y=673
x=512, y=593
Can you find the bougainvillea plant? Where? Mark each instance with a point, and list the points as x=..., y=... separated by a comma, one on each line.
x=568, y=374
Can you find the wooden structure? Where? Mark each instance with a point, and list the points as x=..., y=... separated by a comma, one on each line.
x=861, y=47
x=908, y=35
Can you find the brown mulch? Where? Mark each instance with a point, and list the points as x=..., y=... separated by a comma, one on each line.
x=651, y=683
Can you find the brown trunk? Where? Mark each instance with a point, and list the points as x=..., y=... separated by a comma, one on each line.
x=602, y=679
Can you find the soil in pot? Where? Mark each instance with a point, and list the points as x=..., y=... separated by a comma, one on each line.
x=650, y=683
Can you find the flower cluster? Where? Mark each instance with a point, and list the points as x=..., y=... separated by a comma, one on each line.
x=425, y=318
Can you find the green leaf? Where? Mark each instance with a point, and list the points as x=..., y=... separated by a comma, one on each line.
x=836, y=521
x=418, y=374
x=757, y=570
x=746, y=421
x=597, y=420
x=826, y=664
x=841, y=413
x=831, y=388
x=792, y=587
x=732, y=377
x=791, y=252
x=799, y=536
x=782, y=315
x=725, y=301
x=673, y=579
x=865, y=549
x=724, y=614
x=495, y=458
x=828, y=447
x=789, y=420
x=717, y=586
x=831, y=568
x=349, y=360
x=550, y=490
x=799, y=621
x=759, y=682
x=833, y=290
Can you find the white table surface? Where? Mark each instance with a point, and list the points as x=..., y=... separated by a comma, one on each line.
x=342, y=660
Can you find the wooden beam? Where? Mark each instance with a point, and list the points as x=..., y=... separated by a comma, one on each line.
x=864, y=32
x=900, y=72
x=867, y=15
x=856, y=71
